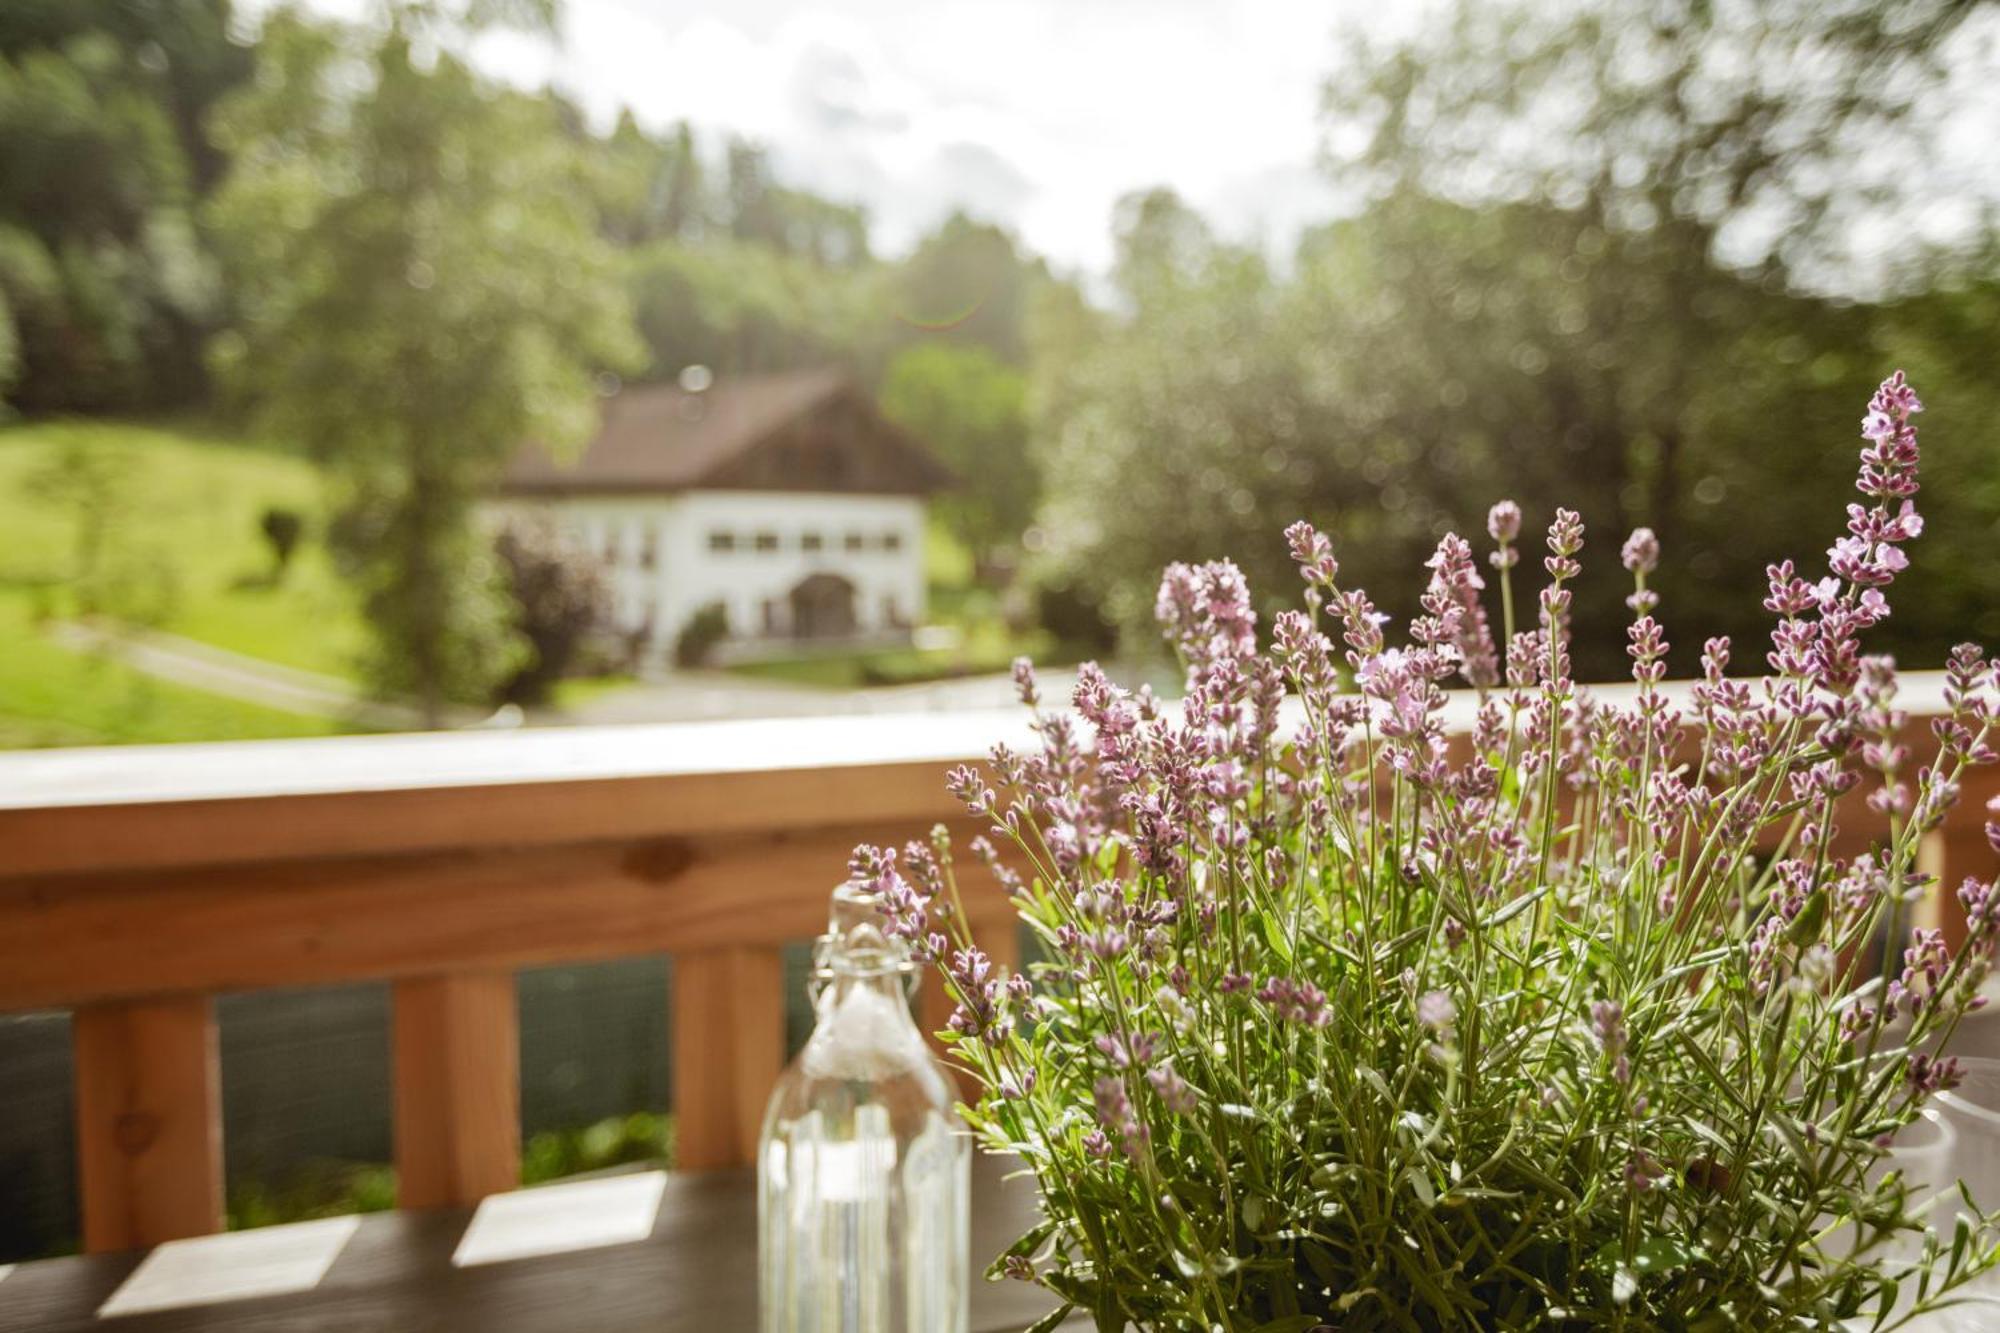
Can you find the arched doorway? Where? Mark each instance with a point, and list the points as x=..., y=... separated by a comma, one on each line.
x=823, y=607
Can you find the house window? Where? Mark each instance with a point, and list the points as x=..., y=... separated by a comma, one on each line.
x=892, y=541
x=649, y=549
x=855, y=542
x=892, y=614
x=811, y=541
x=767, y=541
x=721, y=541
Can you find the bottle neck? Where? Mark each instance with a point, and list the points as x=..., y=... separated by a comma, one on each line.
x=856, y=954
x=836, y=988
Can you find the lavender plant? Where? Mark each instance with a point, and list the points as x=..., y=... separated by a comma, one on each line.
x=1567, y=1021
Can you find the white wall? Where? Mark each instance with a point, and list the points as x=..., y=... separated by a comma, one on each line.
x=687, y=574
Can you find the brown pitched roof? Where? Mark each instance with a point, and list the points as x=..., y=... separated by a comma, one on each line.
x=663, y=438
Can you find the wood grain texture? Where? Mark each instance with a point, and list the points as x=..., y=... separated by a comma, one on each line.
x=68, y=939
x=148, y=1122
x=457, y=1089
x=696, y=1273
x=182, y=805
x=728, y=1012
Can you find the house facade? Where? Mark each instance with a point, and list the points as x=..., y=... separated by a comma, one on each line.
x=787, y=500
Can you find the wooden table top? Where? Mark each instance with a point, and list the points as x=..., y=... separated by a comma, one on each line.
x=653, y=1251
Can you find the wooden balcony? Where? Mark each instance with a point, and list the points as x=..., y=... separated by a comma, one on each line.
x=137, y=884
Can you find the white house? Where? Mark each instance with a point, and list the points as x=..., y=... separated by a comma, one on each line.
x=786, y=499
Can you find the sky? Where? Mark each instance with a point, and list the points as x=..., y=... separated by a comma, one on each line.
x=1037, y=114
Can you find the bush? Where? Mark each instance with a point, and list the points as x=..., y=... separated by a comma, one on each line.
x=281, y=528
x=698, y=638
x=560, y=599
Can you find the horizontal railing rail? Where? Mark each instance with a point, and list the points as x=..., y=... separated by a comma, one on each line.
x=137, y=884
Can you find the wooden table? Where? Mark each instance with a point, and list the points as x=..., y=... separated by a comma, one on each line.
x=653, y=1251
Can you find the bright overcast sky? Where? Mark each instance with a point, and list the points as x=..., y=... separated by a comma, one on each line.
x=1035, y=113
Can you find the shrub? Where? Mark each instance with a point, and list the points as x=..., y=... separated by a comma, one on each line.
x=281, y=529
x=706, y=628
x=560, y=599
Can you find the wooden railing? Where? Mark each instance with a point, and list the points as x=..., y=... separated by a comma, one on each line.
x=137, y=884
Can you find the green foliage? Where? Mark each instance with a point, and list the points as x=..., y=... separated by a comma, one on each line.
x=281, y=529
x=423, y=289
x=968, y=282
x=101, y=153
x=9, y=345
x=313, y=1190
x=971, y=409
x=1575, y=316
x=642, y=1137
x=1175, y=431
x=333, y=1189
x=736, y=307
x=697, y=641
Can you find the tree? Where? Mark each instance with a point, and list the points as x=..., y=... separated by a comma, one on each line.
x=737, y=306
x=1653, y=142
x=1546, y=286
x=968, y=282
x=102, y=155
x=423, y=289
x=1184, y=426
x=972, y=409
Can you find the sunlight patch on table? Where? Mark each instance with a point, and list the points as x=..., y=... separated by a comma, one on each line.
x=234, y=1266
x=559, y=1219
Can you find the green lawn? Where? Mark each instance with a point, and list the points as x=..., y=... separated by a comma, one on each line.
x=182, y=552
x=52, y=696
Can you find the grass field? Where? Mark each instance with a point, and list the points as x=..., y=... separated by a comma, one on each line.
x=181, y=553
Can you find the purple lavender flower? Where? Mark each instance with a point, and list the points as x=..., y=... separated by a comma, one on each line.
x=1437, y=1011
x=1173, y=1090
x=1024, y=682
x=1928, y=1075
x=1298, y=1002
x=1455, y=619
x=1607, y=1019
x=1314, y=554
x=1116, y=1116
x=978, y=1014
x=1641, y=552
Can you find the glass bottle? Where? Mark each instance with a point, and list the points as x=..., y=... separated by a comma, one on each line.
x=863, y=1166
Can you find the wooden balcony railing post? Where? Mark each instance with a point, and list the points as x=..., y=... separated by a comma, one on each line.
x=148, y=1121
x=728, y=1010
x=458, y=1089
x=1952, y=852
